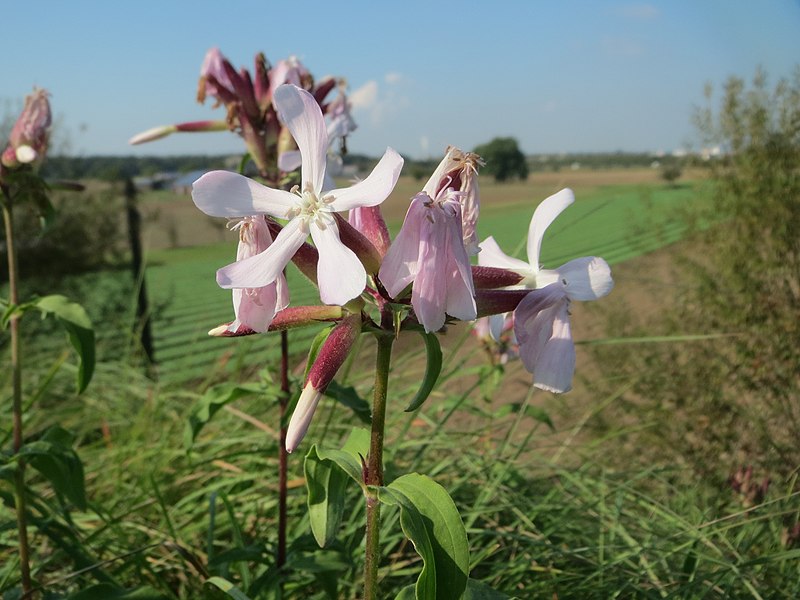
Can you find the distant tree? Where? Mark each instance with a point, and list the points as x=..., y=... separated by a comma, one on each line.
x=671, y=173
x=504, y=159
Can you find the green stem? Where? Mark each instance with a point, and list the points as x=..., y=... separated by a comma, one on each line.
x=375, y=464
x=282, y=454
x=16, y=376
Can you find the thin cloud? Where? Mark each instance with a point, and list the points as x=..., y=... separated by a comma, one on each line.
x=393, y=78
x=639, y=12
x=378, y=103
x=364, y=97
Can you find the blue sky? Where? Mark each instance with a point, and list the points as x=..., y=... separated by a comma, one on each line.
x=559, y=76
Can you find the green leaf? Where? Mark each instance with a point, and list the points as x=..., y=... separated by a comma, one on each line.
x=107, y=591
x=55, y=459
x=227, y=587
x=208, y=405
x=243, y=163
x=534, y=412
x=326, y=473
x=348, y=396
x=74, y=319
x=433, y=367
x=313, y=350
x=407, y=593
x=429, y=518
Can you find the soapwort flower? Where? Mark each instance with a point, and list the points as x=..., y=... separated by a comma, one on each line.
x=254, y=308
x=541, y=320
x=340, y=274
x=429, y=251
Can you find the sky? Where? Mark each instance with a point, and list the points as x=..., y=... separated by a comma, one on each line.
x=559, y=76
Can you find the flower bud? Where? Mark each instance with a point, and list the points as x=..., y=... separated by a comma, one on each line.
x=27, y=142
x=330, y=358
x=288, y=318
x=494, y=277
x=359, y=244
x=156, y=133
x=369, y=221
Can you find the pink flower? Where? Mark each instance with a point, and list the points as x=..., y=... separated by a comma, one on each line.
x=214, y=78
x=288, y=70
x=429, y=252
x=497, y=336
x=541, y=320
x=459, y=171
x=254, y=308
x=340, y=275
x=27, y=142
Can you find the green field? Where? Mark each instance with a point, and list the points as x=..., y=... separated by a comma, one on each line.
x=617, y=222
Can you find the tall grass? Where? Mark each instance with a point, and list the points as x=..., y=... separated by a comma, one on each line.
x=548, y=513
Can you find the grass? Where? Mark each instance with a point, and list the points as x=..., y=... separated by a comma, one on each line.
x=617, y=222
x=545, y=517
x=549, y=513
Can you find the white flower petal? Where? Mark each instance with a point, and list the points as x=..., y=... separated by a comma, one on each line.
x=447, y=164
x=399, y=266
x=543, y=216
x=556, y=365
x=226, y=194
x=429, y=294
x=460, y=289
x=340, y=275
x=302, y=116
x=301, y=417
x=496, y=325
x=533, y=321
x=262, y=269
x=289, y=160
x=254, y=308
x=374, y=189
x=492, y=256
x=587, y=278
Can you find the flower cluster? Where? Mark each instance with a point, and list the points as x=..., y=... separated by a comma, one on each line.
x=422, y=280
x=275, y=144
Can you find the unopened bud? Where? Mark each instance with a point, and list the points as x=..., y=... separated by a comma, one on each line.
x=27, y=142
x=359, y=244
x=369, y=221
x=330, y=358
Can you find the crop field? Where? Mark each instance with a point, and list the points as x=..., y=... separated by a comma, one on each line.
x=616, y=221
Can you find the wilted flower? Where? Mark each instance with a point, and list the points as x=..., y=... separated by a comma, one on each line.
x=541, y=320
x=429, y=250
x=340, y=275
x=27, y=142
